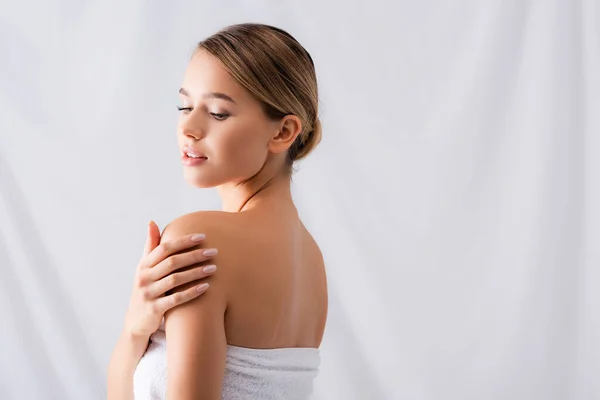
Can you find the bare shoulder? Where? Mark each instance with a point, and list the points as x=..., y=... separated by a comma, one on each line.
x=214, y=220
x=247, y=239
x=227, y=232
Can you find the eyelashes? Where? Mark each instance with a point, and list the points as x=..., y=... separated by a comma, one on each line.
x=220, y=117
x=217, y=116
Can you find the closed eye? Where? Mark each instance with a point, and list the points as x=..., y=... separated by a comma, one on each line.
x=217, y=116
x=220, y=117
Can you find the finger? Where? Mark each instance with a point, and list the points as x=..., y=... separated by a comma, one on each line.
x=165, y=249
x=163, y=304
x=172, y=281
x=179, y=261
x=147, y=244
x=152, y=238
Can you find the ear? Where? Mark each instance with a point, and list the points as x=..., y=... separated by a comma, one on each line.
x=288, y=130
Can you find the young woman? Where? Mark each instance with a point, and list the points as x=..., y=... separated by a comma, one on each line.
x=249, y=111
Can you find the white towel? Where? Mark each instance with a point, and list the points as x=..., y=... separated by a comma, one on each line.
x=267, y=374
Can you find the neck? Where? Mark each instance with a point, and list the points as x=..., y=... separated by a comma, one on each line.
x=268, y=188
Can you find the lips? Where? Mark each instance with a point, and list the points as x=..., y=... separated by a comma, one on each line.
x=190, y=152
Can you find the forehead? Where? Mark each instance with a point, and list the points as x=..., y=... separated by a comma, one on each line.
x=204, y=73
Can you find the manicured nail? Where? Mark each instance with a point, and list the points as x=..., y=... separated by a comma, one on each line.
x=198, y=237
x=208, y=269
x=210, y=252
x=202, y=288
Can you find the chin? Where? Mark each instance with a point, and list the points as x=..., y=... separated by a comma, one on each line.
x=199, y=181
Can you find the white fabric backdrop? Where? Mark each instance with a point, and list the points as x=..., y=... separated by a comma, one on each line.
x=456, y=193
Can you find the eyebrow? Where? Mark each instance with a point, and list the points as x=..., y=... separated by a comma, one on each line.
x=211, y=95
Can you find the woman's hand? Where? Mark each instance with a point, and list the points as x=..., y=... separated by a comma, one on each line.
x=156, y=274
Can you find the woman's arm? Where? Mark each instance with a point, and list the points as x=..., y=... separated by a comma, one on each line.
x=123, y=361
x=195, y=331
x=157, y=273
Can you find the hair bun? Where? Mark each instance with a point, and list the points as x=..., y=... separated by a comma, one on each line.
x=311, y=140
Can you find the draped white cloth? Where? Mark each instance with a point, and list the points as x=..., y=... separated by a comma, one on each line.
x=455, y=194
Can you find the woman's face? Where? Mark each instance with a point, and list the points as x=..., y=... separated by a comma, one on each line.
x=221, y=122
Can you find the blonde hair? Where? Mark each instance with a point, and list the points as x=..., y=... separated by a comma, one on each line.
x=277, y=71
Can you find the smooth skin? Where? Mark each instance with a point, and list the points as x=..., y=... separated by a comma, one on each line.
x=270, y=292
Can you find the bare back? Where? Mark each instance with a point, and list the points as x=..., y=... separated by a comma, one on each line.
x=277, y=294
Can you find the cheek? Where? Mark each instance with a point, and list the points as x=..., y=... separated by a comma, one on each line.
x=242, y=146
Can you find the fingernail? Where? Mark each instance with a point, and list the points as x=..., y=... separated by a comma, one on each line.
x=210, y=252
x=201, y=288
x=208, y=269
x=198, y=237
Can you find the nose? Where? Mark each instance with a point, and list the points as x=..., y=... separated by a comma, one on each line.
x=194, y=134
x=192, y=128
x=191, y=132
